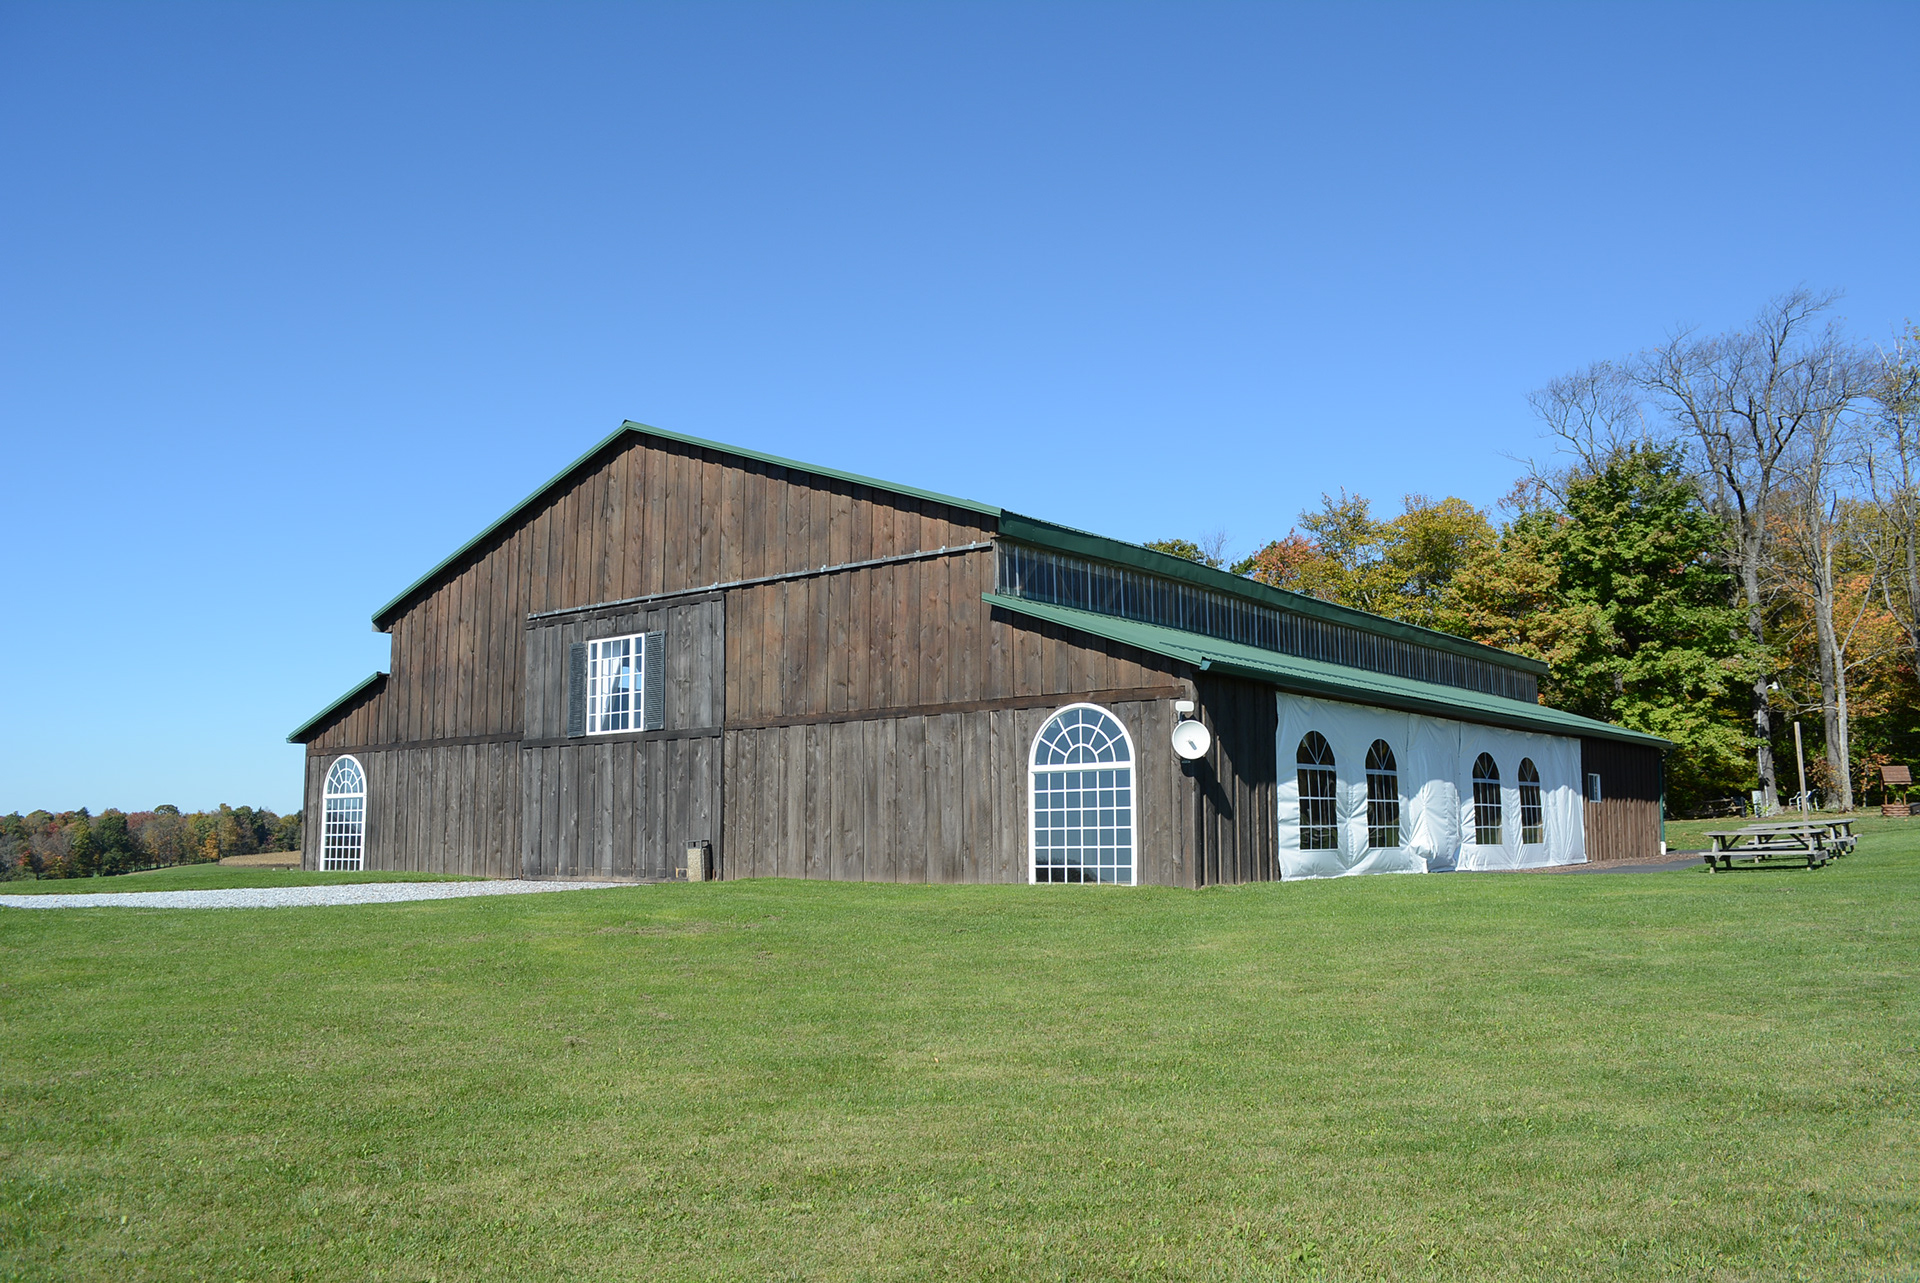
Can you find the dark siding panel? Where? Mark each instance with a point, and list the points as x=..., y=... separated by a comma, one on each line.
x=1625, y=823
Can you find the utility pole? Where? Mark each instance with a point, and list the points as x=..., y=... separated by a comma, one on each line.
x=1800, y=758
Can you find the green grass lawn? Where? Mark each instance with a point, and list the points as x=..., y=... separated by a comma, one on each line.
x=207, y=877
x=1636, y=1076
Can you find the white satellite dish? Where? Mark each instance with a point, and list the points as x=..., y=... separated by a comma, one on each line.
x=1191, y=740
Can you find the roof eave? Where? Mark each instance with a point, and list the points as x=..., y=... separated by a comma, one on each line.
x=1152, y=638
x=300, y=733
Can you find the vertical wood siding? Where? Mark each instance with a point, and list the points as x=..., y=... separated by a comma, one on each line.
x=649, y=516
x=928, y=798
x=1236, y=838
x=432, y=810
x=1625, y=823
x=626, y=806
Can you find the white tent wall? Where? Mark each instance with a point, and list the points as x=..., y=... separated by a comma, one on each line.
x=1435, y=758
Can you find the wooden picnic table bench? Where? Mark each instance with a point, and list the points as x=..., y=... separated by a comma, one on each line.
x=1839, y=830
x=1807, y=843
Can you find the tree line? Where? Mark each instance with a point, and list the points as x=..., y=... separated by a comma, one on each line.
x=1723, y=544
x=76, y=844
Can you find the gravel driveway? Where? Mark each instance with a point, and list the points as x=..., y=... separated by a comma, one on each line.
x=294, y=897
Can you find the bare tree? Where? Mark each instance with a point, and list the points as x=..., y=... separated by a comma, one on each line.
x=1892, y=466
x=1817, y=524
x=1742, y=399
x=1596, y=414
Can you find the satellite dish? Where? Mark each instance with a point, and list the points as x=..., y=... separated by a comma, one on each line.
x=1191, y=740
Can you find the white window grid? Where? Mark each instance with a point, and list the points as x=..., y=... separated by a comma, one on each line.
x=1319, y=794
x=1486, y=801
x=1081, y=787
x=1383, y=797
x=343, y=829
x=1533, y=827
x=614, y=684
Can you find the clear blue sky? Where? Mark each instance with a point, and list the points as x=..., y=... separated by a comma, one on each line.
x=297, y=299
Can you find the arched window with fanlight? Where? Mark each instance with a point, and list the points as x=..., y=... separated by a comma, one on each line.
x=1081, y=783
x=1319, y=808
x=343, y=829
x=1533, y=828
x=1383, y=797
x=1486, y=801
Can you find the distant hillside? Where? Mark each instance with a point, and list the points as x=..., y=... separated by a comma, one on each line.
x=76, y=844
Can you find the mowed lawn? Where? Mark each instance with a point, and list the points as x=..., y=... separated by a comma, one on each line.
x=1672, y=1075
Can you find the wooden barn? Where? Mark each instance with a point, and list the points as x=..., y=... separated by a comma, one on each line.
x=675, y=646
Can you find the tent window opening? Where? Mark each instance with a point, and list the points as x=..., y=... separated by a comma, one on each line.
x=1486, y=801
x=1533, y=829
x=343, y=830
x=1383, y=797
x=1319, y=822
x=1082, y=787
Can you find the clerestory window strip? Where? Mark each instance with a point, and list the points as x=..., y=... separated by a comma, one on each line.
x=1094, y=586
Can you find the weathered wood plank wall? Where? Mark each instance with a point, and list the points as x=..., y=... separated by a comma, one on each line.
x=624, y=805
x=877, y=721
x=1625, y=823
x=450, y=809
x=650, y=516
x=927, y=797
x=1237, y=838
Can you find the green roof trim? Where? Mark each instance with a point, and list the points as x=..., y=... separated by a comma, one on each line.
x=1315, y=677
x=300, y=731
x=1058, y=538
x=383, y=618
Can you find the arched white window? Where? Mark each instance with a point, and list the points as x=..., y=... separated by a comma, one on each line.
x=1486, y=801
x=1533, y=829
x=1383, y=797
x=1081, y=781
x=1319, y=811
x=343, y=829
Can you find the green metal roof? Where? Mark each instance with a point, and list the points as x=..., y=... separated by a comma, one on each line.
x=1080, y=543
x=1010, y=525
x=301, y=730
x=1315, y=677
x=383, y=618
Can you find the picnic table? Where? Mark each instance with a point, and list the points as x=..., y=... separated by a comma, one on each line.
x=1810, y=843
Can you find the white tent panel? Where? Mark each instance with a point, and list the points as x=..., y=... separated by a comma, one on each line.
x=1435, y=758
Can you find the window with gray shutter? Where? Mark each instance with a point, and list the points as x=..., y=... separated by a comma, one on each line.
x=653, y=687
x=577, y=689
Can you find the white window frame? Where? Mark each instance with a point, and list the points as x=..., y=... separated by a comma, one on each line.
x=1326, y=836
x=1392, y=773
x=1538, y=807
x=601, y=720
x=1132, y=767
x=1498, y=805
x=354, y=825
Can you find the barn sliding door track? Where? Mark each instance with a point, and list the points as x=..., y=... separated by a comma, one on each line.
x=812, y=572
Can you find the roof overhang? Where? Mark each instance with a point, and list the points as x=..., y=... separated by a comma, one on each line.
x=1331, y=681
x=305, y=731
